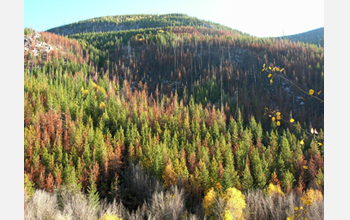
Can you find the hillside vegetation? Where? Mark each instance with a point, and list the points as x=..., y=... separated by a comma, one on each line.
x=168, y=122
x=312, y=37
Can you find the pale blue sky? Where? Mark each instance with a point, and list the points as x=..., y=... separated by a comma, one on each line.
x=255, y=17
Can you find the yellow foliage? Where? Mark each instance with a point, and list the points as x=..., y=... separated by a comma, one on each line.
x=235, y=202
x=218, y=186
x=110, y=217
x=273, y=119
x=311, y=92
x=278, y=117
x=302, y=142
x=139, y=37
x=305, y=167
x=209, y=200
x=278, y=123
x=228, y=215
x=278, y=113
x=274, y=190
x=169, y=176
x=270, y=75
x=291, y=120
x=95, y=86
x=102, y=105
x=98, y=88
x=311, y=196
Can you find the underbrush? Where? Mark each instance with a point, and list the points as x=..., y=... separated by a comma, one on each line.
x=144, y=197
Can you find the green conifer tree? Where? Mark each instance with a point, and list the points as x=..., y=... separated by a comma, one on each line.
x=247, y=182
x=92, y=193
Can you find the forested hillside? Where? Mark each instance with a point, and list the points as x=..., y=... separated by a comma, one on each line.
x=312, y=37
x=171, y=121
x=129, y=22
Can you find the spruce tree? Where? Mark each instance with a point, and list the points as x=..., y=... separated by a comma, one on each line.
x=257, y=170
x=247, y=182
x=204, y=174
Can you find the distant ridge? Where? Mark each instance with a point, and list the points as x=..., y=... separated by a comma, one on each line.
x=315, y=36
x=132, y=22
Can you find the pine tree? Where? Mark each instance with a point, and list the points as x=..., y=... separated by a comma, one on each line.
x=287, y=181
x=204, y=174
x=28, y=185
x=257, y=170
x=286, y=152
x=87, y=154
x=247, y=182
x=215, y=130
x=233, y=130
x=214, y=174
x=168, y=176
x=92, y=193
x=49, y=183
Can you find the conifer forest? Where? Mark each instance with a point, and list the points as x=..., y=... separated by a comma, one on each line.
x=171, y=117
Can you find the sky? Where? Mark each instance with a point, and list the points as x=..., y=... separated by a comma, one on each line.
x=261, y=18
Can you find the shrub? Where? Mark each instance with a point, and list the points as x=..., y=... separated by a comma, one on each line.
x=138, y=185
x=224, y=204
x=74, y=204
x=262, y=206
x=209, y=200
x=42, y=205
x=167, y=205
x=235, y=203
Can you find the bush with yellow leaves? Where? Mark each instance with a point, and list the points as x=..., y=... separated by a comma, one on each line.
x=233, y=199
x=311, y=196
x=274, y=190
x=209, y=200
x=235, y=202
